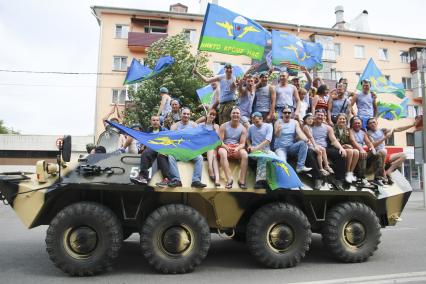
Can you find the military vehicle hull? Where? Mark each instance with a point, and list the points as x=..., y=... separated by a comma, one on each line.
x=91, y=206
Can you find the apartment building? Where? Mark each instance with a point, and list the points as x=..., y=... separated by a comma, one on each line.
x=126, y=33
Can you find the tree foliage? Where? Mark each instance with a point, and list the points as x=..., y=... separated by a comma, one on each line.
x=178, y=79
x=6, y=130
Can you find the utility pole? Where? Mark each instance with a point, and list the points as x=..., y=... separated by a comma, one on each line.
x=423, y=86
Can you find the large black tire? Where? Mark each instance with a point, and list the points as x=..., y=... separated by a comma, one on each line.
x=175, y=238
x=278, y=235
x=351, y=232
x=84, y=239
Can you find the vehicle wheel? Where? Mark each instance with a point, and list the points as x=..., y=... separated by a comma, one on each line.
x=278, y=235
x=175, y=238
x=351, y=232
x=84, y=239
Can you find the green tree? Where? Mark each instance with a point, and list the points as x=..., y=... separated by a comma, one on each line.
x=5, y=130
x=178, y=79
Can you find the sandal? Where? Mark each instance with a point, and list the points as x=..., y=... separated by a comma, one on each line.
x=242, y=185
x=229, y=184
x=324, y=172
x=329, y=169
x=212, y=178
x=217, y=183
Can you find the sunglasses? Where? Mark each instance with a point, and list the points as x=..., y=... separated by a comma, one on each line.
x=286, y=112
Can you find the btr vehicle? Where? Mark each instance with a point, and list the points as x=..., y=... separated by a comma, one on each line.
x=91, y=206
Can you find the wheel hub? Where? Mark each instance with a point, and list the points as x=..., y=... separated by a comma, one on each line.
x=81, y=241
x=354, y=233
x=281, y=237
x=176, y=240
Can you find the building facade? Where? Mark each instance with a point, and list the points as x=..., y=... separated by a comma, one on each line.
x=126, y=33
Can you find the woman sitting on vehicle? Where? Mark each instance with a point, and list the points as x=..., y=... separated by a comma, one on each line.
x=212, y=154
x=365, y=148
x=346, y=139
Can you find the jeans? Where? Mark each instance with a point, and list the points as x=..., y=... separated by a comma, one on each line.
x=198, y=168
x=148, y=157
x=299, y=149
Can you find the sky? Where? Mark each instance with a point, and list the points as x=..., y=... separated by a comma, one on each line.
x=63, y=36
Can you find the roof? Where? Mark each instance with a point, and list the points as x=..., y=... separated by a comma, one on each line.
x=97, y=10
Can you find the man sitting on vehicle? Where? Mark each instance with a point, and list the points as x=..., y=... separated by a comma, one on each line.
x=173, y=116
x=148, y=157
x=175, y=180
x=259, y=138
x=233, y=135
x=285, y=140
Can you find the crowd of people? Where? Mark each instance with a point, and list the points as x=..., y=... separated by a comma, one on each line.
x=322, y=132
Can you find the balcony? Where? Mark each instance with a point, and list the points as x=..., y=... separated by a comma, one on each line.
x=140, y=41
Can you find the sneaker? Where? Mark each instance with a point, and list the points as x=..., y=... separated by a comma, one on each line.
x=353, y=178
x=260, y=184
x=363, y=181
x=198, y=184
x=339, y=185
x=348, y=177
x=317, y=184
x=163, y=183
x=139, y=180
x=378, y=182
x=174, y=183
x=303, y=169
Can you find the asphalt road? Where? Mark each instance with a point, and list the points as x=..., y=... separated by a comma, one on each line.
x=401, y=258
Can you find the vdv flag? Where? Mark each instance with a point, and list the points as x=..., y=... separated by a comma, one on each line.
x=205, y=94
x=138, y=72
x=391, y=111
x=184, y=144
x=289, y=48
x=227, y=32
x=379, y=83
x=280, y=175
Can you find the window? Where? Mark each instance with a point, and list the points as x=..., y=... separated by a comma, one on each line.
x=359, y=51
x=405, y=56
x=410, y=139
x=358, y=76
x=119, y=96
x=406, y=82
x=120, y=63
x=328, y=53
x=383, y=54
x=337, y=49
x=155, y=30
x=189, y=35
x=121, y=31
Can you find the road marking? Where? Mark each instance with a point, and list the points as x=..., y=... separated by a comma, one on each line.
x=377, y=279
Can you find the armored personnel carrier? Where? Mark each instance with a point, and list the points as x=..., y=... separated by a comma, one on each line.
x=91, y=206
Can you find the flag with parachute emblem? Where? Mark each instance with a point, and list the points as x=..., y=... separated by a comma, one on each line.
x=291, y=49
x=184, y=144
x=205, y=94
x=227, y=32
x=379, y=83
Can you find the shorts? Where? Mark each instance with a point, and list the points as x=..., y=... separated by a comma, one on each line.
x=232, y=156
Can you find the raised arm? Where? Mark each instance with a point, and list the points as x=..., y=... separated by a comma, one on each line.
x=162, y=104
x=403, y=128
x=374, y=104
x=204, y=78
x=105, y=118
x=272, y=106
